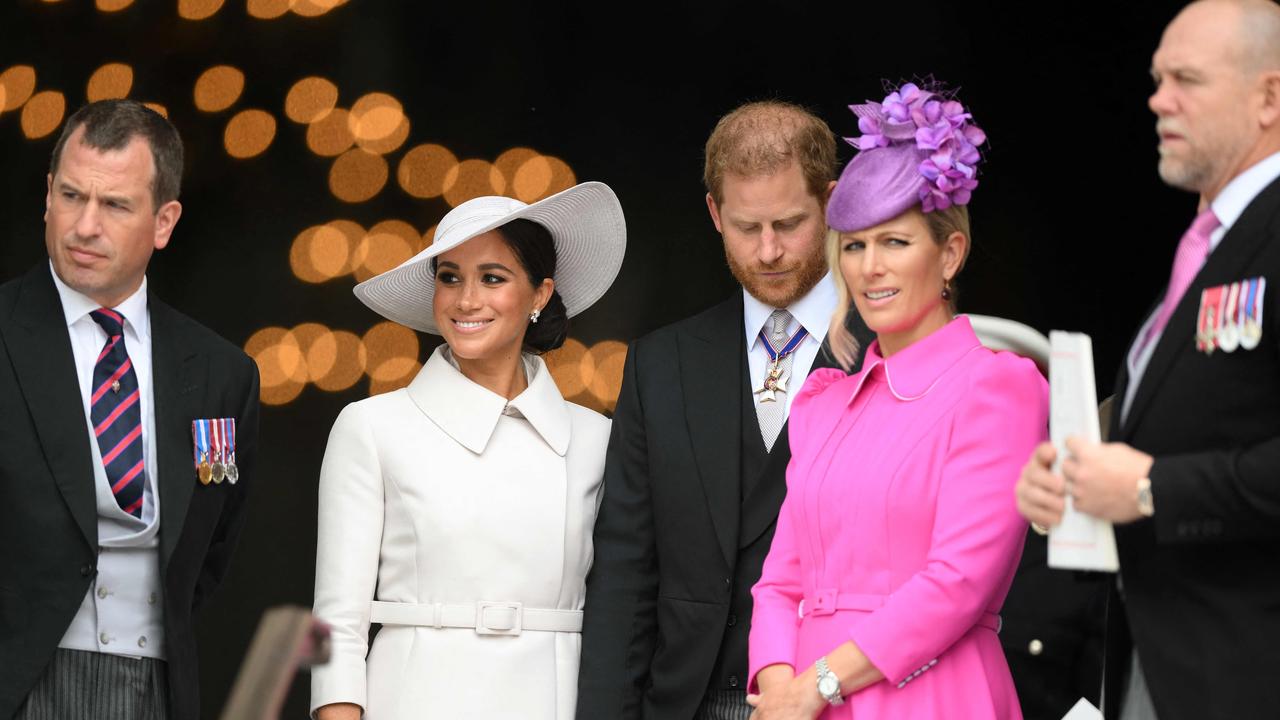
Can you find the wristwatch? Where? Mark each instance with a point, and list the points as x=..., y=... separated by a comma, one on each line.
x=828, y=683
x=1146, y=505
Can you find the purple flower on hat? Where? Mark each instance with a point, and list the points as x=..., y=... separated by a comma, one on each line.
x=940, y=129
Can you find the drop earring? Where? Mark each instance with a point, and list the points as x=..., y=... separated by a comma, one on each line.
x=533, y=316
x=946, y=289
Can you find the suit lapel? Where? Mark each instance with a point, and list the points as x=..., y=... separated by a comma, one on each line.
x=40, y=349
x=1226, y=263
x=711, y=380
x=179, y=377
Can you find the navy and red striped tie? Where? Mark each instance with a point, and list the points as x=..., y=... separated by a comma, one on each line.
x=116, y=414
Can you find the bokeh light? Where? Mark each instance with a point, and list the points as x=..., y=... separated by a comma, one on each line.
x=42, y=114
x=112, y=5
x=309, y=99
x=510, y=162
x=158, y=108
x=281, y=366
x=357, y=175
x=218, y=88
x=314, y=8
x=565, y=364
x=391, y=356
x=378, y=123
x=268, y=9
x=541, y=176
x=249, y=133
x=423, y=170
x=602, y=371
x=385, y=246
x=330, y=135
x=348, y=365
x=19, y=82
x=470, y=179
x=324, y=252
x=111, y=81
x=198, y=9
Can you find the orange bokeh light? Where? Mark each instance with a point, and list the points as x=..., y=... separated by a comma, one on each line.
x=378, y=123
x=309, y=99
x=565, y=365
x=249, y=133
x=603, y=371
x=113, y=80
x=158, y=108
x=540, y=176
x=113, y=5
x=385, y=246
x=218, y=88
x=423, y=170
x=470, y=179
x=330, y=135
x=348, y=364
x=357, y=175
x=19, y=82
x=391, y=356
x=313, y=8
x=281, y=365
x=42, y=114
x=198, y=9
x=268, y=9
x=510, y=162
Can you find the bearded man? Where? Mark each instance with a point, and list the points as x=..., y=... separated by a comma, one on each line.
x=695, y=469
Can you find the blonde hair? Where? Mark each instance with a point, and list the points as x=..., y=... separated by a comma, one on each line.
x=844, y=346
x=761, y=138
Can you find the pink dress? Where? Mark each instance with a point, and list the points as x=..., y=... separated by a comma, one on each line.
x=900, y=531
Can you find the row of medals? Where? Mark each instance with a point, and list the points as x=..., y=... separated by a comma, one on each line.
x=1229, y=331
x=217, y=471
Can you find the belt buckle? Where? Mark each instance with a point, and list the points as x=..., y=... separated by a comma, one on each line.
x=824, y=603
x=517, y=623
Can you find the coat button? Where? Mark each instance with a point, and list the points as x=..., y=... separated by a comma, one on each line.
x=733, y=681
x=733, y=620
x=86, y=570
x=151, y=600
x=104, y=638
x=142, y=641
x=1035, y=647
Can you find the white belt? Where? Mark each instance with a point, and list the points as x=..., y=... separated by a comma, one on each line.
x=486, y=618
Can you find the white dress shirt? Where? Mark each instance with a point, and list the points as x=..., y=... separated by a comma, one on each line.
x=122, y=613
x=813, y=312
x=1228, y=207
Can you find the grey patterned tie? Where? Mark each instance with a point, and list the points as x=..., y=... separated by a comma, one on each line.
x=772, y=414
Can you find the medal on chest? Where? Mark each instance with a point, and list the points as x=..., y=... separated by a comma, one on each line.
x=775, y=377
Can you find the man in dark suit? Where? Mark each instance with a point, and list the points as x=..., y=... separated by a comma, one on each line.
x=1192, y=481
x=112, y=536
x=695, y=471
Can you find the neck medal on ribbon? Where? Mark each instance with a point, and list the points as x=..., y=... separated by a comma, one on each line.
x=774, y=380
x=200, y=436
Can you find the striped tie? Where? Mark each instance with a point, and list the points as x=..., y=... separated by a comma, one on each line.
x=117, y=416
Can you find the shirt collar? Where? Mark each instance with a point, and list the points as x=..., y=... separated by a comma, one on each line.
x=76, y=306
x=469, y=413
x=813, y=311
x=916, y=369
x=1236, y=196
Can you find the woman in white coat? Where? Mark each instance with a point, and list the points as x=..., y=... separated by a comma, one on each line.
x=457, y=512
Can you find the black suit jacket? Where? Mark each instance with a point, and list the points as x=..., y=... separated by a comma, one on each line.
x=673, y=520
x=49, y=532
x=1201, y=579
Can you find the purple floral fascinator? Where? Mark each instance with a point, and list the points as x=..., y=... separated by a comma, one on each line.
x=917, y=146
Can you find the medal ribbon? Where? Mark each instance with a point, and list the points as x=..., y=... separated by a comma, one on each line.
x=217, y=450
x=774, y=354
x=202, y=441
x=229, y=438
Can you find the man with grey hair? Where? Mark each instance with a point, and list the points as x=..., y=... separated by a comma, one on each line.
x=127, y=445
x=1192, y=481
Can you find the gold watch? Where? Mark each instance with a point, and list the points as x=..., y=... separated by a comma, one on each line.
x=1146, y=504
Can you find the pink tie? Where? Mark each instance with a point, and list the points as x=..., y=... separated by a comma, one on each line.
x=1192, y=251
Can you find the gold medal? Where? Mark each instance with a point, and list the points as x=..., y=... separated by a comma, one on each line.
x=204, y=471
x=1250, y=334
x=774, y=382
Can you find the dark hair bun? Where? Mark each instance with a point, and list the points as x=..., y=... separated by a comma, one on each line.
x=552, y=328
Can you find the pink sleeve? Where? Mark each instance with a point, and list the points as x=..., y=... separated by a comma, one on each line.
x=775, y=616
x=977, y=532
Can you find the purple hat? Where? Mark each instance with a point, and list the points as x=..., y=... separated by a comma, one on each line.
x=918, y=147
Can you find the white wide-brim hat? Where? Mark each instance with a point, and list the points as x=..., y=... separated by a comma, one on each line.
x=585, y=222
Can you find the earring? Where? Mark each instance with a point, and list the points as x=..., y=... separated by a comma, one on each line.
x=533, y=316
x=946, y=289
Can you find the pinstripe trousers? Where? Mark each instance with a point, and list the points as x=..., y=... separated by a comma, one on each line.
x=79, y=685
x=724, y=705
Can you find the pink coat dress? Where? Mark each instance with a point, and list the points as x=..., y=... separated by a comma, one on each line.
x=900, y=531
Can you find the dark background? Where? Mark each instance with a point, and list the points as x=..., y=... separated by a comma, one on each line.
x=1072, y=228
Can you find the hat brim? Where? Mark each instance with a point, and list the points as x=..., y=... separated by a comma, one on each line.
x=588, y=228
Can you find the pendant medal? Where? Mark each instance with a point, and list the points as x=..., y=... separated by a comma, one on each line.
x=775, y=380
